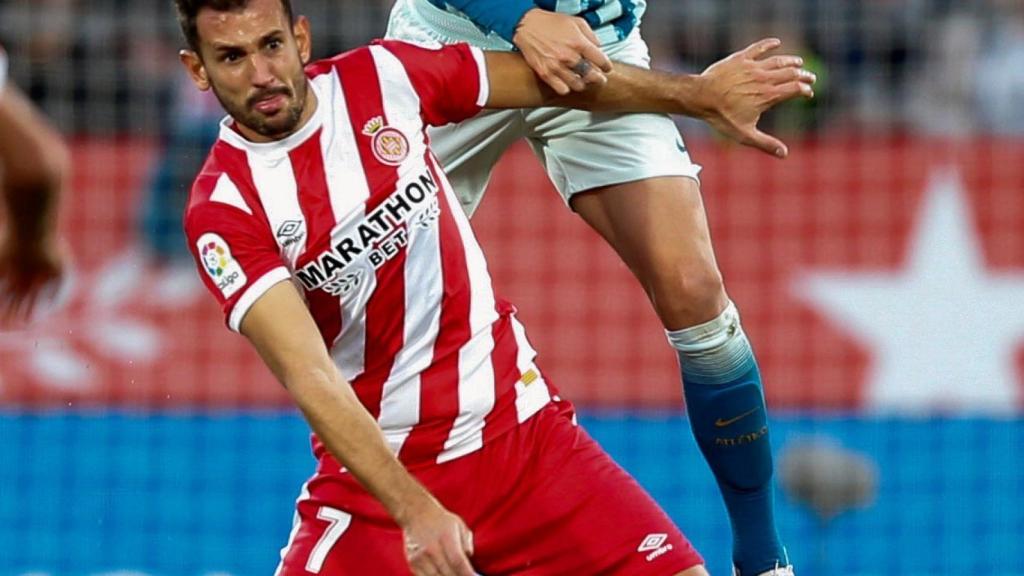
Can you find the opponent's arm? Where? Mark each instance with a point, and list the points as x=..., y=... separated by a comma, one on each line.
x=551, y=43
x=730, y=95
x=34, y=167
x=281, y=329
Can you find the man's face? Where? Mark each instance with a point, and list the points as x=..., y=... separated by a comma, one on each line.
x=253, y=60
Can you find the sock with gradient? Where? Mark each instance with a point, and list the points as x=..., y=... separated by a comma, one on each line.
x=725, y=404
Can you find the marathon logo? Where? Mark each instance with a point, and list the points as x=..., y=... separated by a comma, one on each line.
x=377, y=237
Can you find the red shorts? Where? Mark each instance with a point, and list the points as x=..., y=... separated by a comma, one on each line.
x=541, y=500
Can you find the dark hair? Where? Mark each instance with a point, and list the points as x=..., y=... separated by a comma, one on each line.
x=188, y=9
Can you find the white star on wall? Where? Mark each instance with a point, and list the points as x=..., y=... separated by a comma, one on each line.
x=944, y=329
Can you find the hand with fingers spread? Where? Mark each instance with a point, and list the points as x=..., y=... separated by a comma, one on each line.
x=437, y=542
x=34, y=167
x=562, y=50
x=735, y=92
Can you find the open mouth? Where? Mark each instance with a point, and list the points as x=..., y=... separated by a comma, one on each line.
x=270, y=104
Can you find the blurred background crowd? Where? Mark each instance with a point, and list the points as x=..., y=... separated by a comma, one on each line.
x=931, y=66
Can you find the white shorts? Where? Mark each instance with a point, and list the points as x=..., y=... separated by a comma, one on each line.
x=580, y=150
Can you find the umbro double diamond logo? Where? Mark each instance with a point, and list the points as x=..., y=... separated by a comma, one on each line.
x=655, y=544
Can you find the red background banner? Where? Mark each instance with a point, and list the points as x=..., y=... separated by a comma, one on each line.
x=133, y=333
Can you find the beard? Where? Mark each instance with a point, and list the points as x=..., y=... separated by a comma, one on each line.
x=281, y=124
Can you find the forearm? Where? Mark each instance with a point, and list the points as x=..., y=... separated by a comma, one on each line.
x=730, y=95
x=629, y=89
x=353, y=437
x=32, y=210
x=633, y=89
x=283, y=332
x=33, y=169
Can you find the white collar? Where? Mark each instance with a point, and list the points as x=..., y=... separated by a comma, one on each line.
x=276, y=147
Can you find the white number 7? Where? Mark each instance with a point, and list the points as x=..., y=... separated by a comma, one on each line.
x=338, y=523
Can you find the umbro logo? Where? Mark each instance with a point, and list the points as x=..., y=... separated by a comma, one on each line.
x=652, y=542
x=655, y=544
x=289, y=232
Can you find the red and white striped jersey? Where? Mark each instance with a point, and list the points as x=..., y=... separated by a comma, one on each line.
x=356, y=211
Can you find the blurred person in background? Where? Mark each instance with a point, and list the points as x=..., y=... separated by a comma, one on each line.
x=34, y=168
x=631, y=178
x=999, y=85
x=397, y=351
x=190, y=129
x=943, y=102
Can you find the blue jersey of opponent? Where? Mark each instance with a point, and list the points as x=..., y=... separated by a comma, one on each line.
x=611, y=20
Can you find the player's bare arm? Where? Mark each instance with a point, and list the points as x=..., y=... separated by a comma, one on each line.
x=562, y=50
x=33, y=170
x=281, y=329
x=730, y=95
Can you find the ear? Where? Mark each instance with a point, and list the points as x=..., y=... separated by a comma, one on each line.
x=194, y=66
x=303, y=39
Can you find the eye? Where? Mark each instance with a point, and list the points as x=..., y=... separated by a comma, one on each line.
x=231, y=56
x=274, y=44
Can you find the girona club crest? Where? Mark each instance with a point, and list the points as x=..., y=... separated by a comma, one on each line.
x=389, y=145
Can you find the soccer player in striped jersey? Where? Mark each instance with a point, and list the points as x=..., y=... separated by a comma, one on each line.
x=630, y=177
x=324, y=225
x=33, y=170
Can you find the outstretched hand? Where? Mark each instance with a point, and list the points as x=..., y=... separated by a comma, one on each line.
x=741, y=87
x=28, y=275
x=562, y=50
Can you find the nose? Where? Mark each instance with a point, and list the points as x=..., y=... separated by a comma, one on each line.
x=261, y=74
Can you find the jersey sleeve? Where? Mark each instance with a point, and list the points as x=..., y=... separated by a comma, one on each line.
x=451, y=81
x=237, y=257
x=498, y=16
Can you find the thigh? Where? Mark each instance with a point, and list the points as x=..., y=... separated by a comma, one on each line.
x=336, y=539
x=584, y=151
x=659, y=228
x=575, y=511
x=654, y=224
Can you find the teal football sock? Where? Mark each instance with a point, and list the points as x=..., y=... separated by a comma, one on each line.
x=725, y=404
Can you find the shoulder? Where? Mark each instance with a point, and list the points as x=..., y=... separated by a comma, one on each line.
x=409, y=54
x=205, y=182
x=336, y=62
x=216, y=190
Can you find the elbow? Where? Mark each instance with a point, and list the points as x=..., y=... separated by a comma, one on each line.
x=313, y=388
x=304, y=376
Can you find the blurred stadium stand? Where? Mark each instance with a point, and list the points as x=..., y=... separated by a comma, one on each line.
x=880, y=271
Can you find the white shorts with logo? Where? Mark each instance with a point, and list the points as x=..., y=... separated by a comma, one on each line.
x=580, y=150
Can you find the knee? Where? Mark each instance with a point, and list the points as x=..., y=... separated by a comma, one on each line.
x=688, y=295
